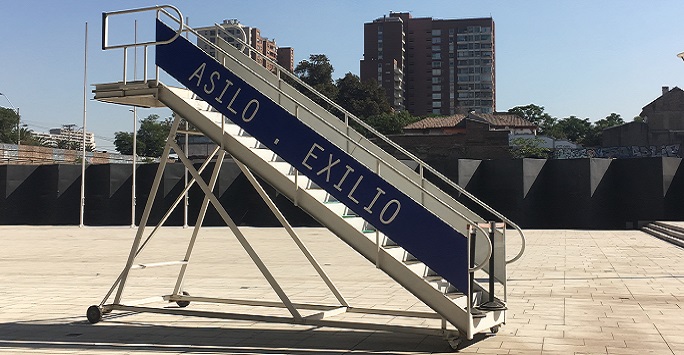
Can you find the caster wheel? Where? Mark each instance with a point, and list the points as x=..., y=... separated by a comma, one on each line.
x=494, y=329
x=454, y=342
x=94, y=314
x=183, y=304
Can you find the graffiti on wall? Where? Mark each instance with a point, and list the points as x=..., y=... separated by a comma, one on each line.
x=633, y=151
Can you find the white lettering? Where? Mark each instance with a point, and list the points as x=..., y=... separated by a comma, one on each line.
x=220, y=97
x=211, y=80
x=311, y=154
x=330, y=165
x=396, y=212
x=198, y=73
x=237, y=92
x=338, y=186
x=375, y=199
x=256, y=108
x=354, y=189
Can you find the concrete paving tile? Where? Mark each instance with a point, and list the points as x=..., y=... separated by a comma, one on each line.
x=601, y=288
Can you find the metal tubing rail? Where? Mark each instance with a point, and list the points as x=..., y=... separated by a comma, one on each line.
x=158, y=8
x=321, y=119
x=422, y=165
x=378, y=159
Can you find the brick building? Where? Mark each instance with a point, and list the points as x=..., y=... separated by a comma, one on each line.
x=463, y=136
x=233, y=32
x=432, y=66
x=663, y=124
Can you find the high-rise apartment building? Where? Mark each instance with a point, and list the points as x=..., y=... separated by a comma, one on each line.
x=431, y=66
x=231, y=29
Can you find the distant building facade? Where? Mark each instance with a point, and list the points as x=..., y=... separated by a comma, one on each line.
x=463, y=136
x=455, y=124
x=663, y=124
x=231, y=29
x=431, y=66
x=67, y=134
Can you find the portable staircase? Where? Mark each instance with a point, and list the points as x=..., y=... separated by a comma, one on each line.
x=443, y=253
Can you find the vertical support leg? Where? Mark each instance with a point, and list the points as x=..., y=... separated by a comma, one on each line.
x=198, y=224
x=163, y=220
x=293, y=234
x=148, y=208
x=476, y=313
x=493, y=304
x=240, y=237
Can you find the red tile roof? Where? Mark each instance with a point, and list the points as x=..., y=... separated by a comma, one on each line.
x=503, y=119
x=437, y=122
x=496, y=120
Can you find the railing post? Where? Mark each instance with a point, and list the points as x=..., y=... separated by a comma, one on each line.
x=125, y=64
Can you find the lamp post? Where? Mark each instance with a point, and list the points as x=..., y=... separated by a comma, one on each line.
x=18, y=120
x=135, y=154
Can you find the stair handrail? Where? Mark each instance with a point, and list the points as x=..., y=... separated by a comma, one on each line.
x=158, y=8
x=422, y=165
x=321, y=119
x=184, y=27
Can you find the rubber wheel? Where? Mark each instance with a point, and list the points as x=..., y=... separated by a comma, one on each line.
x=454, y=343
x=183, y=304
x=94, y=314
x=494, y=329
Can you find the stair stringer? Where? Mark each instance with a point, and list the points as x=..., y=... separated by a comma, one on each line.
x=294, y=102
x=436, y=300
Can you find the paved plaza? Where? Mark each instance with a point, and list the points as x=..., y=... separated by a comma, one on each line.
x=573, y=292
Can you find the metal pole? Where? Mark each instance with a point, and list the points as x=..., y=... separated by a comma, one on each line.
x=135, y=124
x=185, y=196
x=135, y=154
x=148, y=208
x=83, y=148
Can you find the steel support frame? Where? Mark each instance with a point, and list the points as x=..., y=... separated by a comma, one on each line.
x=324, y=311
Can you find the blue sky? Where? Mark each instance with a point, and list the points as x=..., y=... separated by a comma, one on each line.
x=582, y=58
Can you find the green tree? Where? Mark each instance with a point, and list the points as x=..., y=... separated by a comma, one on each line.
x=574, y=129
x=529, y=148
x=596, y=134
x=390, y=123
x=151, y=139
x=123, y=141
x=317, y=72
x=362, y=99
x=536, y=115
x=638, y=119
x=8, y=125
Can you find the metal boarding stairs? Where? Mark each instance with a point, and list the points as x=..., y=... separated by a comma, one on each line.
x=443, y=253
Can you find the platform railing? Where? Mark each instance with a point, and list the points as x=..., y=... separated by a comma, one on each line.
x=422, y=166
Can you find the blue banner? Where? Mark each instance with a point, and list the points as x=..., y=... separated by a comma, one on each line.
x=405, y=221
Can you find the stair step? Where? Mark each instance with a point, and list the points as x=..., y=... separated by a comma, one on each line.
x=669, y=226
x=264, y=154
x=283, y=167
x=249, y=142
x=337, y=207
x=663, y=236
x=668, y=229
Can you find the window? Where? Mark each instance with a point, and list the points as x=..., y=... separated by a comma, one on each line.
x=436, y=56
x=436, y=40
x=436, y=64
x=436, y=49
x=436, y=88
x=436, y=96
x=436, y=72
x=436, y=80
x=436, y=33
x=436, y=104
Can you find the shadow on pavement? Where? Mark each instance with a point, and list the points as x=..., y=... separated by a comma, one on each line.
x=112, y=336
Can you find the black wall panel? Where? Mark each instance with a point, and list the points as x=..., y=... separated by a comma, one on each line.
x=534, y=193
